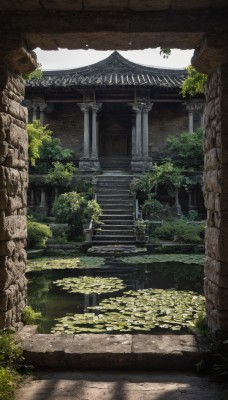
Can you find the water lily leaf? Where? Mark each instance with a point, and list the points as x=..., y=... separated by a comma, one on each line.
x=88, y=284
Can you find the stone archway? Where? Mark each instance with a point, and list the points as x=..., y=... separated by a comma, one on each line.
x=111, y=25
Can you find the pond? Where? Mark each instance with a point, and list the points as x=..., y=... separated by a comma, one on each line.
x=153, y=297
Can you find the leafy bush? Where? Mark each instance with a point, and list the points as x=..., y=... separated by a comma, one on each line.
x=92, y=211
x=152, y=209
x=51, y=150
x=180, y=230
x=38, y=234
x=187, y=149
x=37, y=133
x=11, y=361
x=7, y=382
x=60, y=174
x=30, y=316
x=67, y=206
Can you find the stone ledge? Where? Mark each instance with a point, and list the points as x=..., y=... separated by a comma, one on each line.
x=104, y=351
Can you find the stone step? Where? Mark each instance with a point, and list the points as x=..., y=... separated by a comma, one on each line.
x=109, y=242
x=117, y=206
x=116, y=227
x=111, y=201
x=118, y=212
x=103, y=351
x=117, y=218
x=114, y=238
x=111, y=232
x=114, y=196
x=111, y=190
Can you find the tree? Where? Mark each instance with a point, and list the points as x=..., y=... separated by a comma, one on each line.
x=52, y=150
x=194, y=83
x=186, y=150
x=60, y=174
x=37, y=133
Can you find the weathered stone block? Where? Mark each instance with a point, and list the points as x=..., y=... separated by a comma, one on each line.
x=7, y=248
x=17, y=137
x=216, y=271
x=3, y=199
x=3, y=151
x=4, y=125
x=13, y=227
x=211, y=160
x=216, y=243
x=217, y=295
x=14, y=203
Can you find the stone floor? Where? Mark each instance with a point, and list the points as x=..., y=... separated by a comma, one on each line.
x=121, y=385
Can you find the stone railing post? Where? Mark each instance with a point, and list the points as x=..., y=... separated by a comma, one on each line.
x=191, y=107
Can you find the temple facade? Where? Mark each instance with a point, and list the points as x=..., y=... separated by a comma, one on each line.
x=114, y=114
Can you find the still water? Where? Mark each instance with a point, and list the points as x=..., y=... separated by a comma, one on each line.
x=54, y=302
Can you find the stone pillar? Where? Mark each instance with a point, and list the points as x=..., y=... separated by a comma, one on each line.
x=42, y=107
x=145, y=111
x=42, y=205
x=95, y=108
x=32, y=199
x=138, y=131
x=216, y=201
x=133, y=150
x=34, y=112
x=13, y=198
x=86, y=150
x=190, y=108
x=90, y=162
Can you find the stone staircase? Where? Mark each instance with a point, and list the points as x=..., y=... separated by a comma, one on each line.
x=115, y=163
x=116, y=201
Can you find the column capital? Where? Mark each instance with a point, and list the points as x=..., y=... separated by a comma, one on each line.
x=137, y=107
x=194, y=106
x=147, y=107
x=96, y=106
x=84, y=106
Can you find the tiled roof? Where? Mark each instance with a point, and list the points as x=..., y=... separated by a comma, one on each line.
x=113, y=71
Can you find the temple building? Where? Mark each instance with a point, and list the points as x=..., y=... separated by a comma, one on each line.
x=114, y=114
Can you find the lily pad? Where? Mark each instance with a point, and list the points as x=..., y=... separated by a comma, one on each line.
x=80, y=262
x=144, y=310
x=179, y=258
x=89, y=284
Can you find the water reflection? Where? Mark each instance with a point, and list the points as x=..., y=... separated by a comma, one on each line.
x=54, y=302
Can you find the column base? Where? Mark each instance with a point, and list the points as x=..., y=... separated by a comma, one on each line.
x=141, y=164
x=89, y=165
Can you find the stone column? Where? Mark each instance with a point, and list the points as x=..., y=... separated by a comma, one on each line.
x=86, y=150
x=34, y=111
x=42, y=107
x=190, y=109
x=95, y=108
x=145, y=111
x=42, y=199
x=138, y=131
x=32, y=200
x=133, y=144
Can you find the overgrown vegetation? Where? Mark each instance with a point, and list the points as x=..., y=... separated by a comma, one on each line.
x=11, y=363
x=163, y=258
x=30, y=316
x=89, y=284
x=60, y=175
x=38, y=234
x=37, y=133
x=180, y=230
x=194, y=83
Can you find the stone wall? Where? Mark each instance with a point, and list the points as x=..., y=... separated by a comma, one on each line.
x=216, y=201
x=14, y=182
x=66, y=122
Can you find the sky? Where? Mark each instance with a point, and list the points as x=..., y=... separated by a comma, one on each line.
x=66, y=59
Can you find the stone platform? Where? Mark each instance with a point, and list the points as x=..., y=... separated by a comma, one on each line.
x=116, y=250
x=103, y=351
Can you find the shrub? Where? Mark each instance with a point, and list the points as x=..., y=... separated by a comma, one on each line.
x=60, y=174
x=30, y=316
x=38, y=234
x=92, y=211
x=180, y=230
x=6, y=384
x=152, y=209
x=67, y=206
